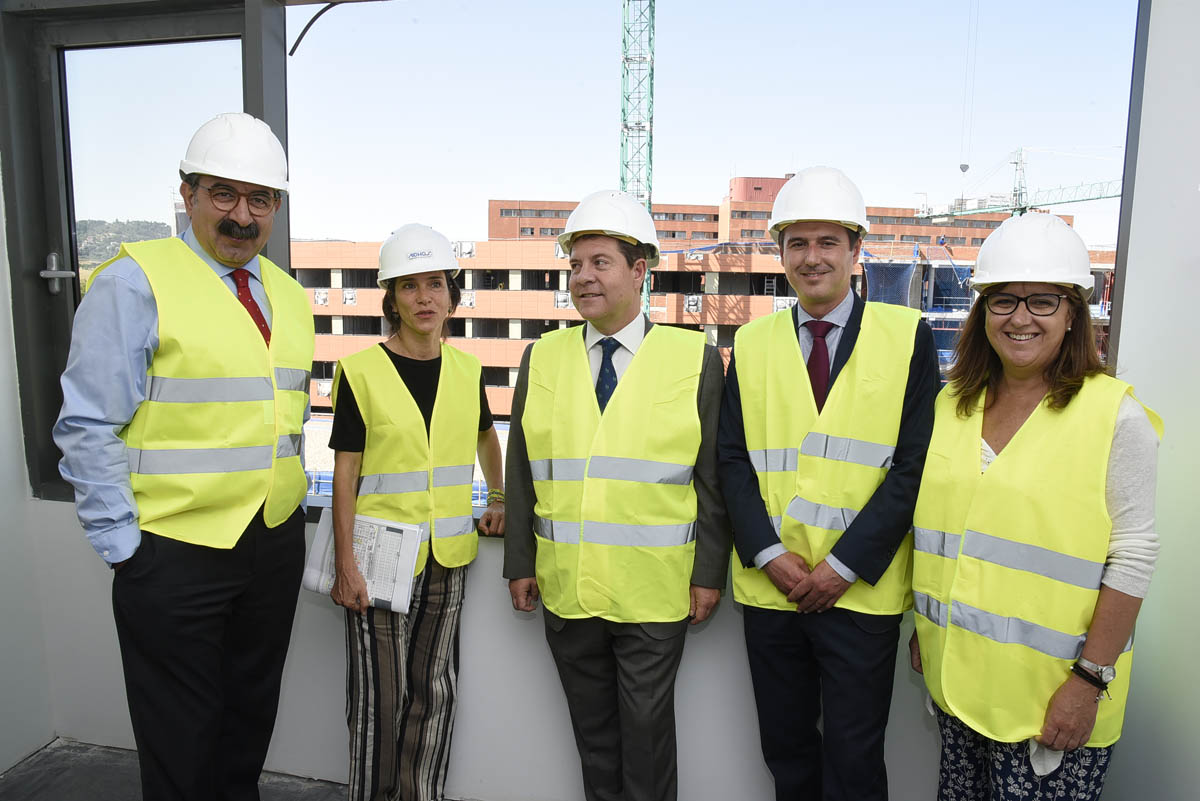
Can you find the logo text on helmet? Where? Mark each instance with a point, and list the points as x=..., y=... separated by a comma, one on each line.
x=420, y=254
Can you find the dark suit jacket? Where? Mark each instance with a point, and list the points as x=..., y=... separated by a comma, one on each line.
x=870, y=542
x=712, y=526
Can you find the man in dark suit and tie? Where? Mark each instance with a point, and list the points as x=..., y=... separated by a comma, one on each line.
x=826, y=418
x=615, y=518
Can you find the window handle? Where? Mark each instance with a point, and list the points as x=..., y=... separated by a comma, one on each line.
x=53, y=273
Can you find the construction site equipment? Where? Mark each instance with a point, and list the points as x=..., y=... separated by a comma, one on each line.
x=1021, y=201
x=637, y=99
x=239, y=147
x=615, y=214
x=413, y=249
x=1036, y=248
x=819, y=194
x=637, y=110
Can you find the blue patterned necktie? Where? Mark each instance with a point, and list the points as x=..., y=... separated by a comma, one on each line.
x=606, y=380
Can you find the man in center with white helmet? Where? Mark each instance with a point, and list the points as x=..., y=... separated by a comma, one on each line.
x=184, y=398
x=827, y=415
x=614, y=515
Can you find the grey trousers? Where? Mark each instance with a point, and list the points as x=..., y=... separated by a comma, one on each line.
x=619, y=679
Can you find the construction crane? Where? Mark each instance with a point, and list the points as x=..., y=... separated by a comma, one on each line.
x=1022, y=201
x=637, y=107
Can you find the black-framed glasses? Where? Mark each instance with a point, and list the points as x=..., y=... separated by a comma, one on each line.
x=1040, y=304
x=225, y=198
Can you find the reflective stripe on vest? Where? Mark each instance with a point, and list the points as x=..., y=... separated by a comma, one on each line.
x=819, y=515
x=287, y=446
x=179, y=461
x=815, y=471
x=774, y=459
x=218, y=401
x=999, y=628
x=615, y=533
x=407, y=474
x=939, y=543
x=845, y=449
x=454, y=475
x=630, y=560
x=1007, y=564
x=162, y=389
x=392, y=483
x=291, y=379
x=1018, y=556
x=558, y=469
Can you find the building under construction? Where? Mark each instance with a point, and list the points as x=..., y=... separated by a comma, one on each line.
x=719, y=270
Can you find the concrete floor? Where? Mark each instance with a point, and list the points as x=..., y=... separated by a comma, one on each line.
x=66, y=770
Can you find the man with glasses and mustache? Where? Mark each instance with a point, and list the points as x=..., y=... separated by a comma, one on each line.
x=184, y=399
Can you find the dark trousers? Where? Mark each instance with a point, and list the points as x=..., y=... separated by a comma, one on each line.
x=836, y=666
x=203, y=634
x=619, y=679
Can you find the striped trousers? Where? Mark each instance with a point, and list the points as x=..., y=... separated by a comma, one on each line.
x=401, y=685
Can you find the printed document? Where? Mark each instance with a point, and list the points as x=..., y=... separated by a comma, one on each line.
x=386, y=553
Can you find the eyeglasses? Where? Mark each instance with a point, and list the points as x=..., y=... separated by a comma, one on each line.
x=225, y=198
x=1040, y=304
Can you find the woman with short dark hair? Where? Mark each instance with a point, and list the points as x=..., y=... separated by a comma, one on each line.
x=410, y=416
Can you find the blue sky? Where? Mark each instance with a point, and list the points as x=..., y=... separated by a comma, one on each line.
x=408, y=111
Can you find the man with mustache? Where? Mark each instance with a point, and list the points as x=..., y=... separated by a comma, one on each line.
x=184, y=399
x=826, y=418
x=615, y=518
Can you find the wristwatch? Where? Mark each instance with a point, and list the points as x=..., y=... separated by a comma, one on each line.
x=1107, y=673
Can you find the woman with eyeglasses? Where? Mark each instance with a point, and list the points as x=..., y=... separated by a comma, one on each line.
x=410, y=416
x=1033, y=532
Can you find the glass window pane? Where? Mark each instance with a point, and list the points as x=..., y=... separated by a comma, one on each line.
x=125, y=146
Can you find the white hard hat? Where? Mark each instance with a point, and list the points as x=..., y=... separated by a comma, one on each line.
x=415, y=248
x=615, y=214
x=819, y=194
x=239, y=147
x=1034, y=247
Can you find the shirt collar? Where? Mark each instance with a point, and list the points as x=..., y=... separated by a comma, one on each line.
x=630, y=336
x=221, y=270
x=839, y=316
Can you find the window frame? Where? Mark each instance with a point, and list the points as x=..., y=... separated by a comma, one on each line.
x=36, y=175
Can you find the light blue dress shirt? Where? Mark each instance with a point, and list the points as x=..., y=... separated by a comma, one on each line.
x=113, y=341
x=839, y=317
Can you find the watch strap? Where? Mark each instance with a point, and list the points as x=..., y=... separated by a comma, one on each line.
x=1095, y=681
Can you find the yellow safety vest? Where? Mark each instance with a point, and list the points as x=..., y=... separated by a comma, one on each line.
x=218, y=435
x=1007, y=563
x=407, y=475
x=615, y=508
x=816, y=471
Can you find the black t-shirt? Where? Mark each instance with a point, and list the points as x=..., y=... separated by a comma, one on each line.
x=420, y=377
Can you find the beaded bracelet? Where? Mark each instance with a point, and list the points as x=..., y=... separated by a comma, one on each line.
x=495, y=495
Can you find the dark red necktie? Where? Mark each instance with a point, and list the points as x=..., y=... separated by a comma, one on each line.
x=818, y=361
x=241, y=277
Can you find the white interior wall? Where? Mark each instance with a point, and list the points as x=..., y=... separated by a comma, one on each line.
x=1158, y=352
x=24, y=690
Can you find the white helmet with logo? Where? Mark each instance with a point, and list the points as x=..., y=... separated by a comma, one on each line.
x=819, y=194
x=1036, y=248
x=239, y=147
x=616, y=214
x=412, y=249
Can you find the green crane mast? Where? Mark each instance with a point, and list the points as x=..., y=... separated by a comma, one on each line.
x=637, y=107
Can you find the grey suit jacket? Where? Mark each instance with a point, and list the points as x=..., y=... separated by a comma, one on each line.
x=713, y=532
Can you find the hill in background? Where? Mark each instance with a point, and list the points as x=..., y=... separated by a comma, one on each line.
x=99, y=240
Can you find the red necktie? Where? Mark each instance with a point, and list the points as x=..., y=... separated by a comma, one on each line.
x=241, y=277
x=818, y=361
